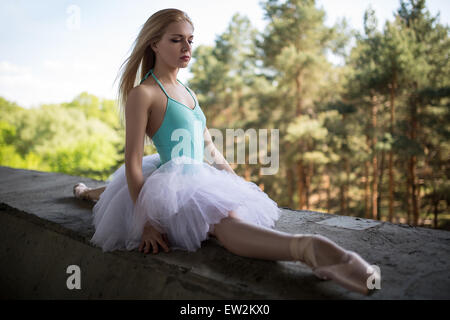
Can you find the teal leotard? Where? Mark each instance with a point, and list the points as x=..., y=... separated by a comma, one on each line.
x=181, y=132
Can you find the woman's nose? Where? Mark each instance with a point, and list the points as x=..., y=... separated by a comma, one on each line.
x=186, y=45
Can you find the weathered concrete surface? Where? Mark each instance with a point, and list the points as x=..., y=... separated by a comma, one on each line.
x=43, y=230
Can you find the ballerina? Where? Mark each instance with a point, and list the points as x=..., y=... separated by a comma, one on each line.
x=175, y=200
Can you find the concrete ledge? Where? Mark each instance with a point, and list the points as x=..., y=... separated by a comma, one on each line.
x=43, y=230
x=38, y=268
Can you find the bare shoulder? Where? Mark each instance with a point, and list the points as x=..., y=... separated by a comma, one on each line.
x=142, y=97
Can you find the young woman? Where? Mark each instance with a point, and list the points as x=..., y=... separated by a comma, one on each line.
x=175, y=200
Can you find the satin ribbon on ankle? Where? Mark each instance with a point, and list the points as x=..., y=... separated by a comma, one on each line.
x=298, y=248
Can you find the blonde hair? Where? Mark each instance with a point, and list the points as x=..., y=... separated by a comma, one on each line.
x=142, y=57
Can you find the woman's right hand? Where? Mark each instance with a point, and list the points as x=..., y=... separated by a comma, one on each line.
x=151, y=238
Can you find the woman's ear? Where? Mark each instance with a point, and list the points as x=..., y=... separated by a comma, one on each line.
x=153, y=45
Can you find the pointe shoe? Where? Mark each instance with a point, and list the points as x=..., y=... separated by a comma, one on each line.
x=79, y=191
x=352, y=274
x=330, y=261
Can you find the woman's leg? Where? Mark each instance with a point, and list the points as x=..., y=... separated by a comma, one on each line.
x=327, y=259
x=94, y=194
x=251, y=241
x=83, y=192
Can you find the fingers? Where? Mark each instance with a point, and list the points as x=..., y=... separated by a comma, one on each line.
x=154, y=246
x=147, y=245
x=166, y=239
x=163, y=244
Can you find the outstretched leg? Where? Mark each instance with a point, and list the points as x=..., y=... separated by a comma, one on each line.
x=81, y=191
x=327, y=259
x=251, y=241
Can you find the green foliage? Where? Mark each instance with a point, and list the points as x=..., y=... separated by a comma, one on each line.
x=307, y=129
x=71, y=138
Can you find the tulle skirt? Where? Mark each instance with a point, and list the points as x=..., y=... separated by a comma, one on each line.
x=182, y=198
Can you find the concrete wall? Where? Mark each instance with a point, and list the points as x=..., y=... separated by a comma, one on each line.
x=43, y=230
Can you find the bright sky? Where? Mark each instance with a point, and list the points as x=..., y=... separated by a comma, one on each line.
x=48, y=56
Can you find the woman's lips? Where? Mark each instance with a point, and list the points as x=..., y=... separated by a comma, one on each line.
x=185, y=58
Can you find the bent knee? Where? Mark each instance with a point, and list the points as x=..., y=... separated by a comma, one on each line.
x=232, y=217
x=233, y=214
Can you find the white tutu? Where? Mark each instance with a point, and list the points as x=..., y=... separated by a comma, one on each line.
x=183, y=198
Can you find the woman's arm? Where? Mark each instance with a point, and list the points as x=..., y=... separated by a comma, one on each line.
x=136, y=116
x=217, y=158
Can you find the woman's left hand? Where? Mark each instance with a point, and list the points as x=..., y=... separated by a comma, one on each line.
x=151, y=238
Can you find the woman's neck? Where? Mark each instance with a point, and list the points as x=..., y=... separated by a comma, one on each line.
x=166, y=75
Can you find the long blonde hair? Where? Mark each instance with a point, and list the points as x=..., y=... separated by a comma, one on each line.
x=142, y=57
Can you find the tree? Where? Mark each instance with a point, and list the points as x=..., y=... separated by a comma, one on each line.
x=293, y=51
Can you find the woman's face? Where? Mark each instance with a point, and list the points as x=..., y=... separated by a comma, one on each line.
x=175, y=44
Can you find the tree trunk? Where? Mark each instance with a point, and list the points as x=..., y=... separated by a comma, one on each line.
x=391, y=153
x=366, y=190
x=342, y=200
x=347, y=185
x=320, y=191
x=374, y=157
x=380, y=184
x=436, y=204
x=300, y=185
x=391, y=187
x=328, y=190
x=247, y=173
x=300, y=169
x=374, y=187
x=413, y=191
x=308, y=177
x=290, y=182
x=408, y=195
x=413, y=158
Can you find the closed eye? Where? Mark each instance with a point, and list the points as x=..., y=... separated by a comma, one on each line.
x=191, y=42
